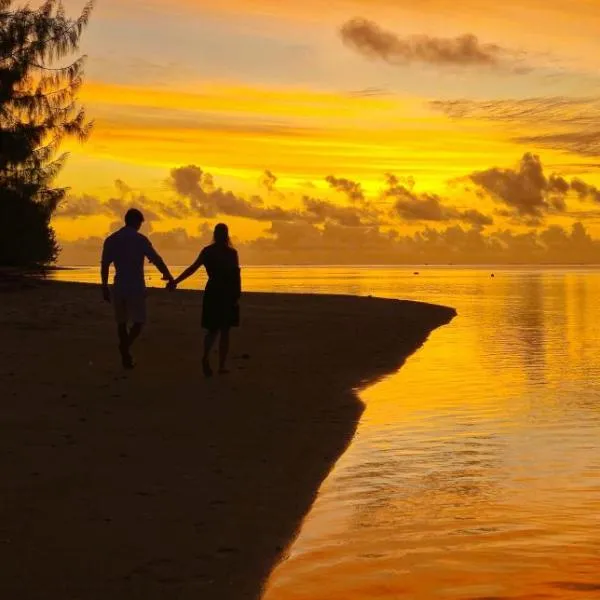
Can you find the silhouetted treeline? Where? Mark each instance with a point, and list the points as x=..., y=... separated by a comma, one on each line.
x=38, y=109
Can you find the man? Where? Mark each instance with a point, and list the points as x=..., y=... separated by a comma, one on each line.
x=127, y=249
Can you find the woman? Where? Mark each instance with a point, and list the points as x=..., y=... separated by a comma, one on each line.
x=220, y=308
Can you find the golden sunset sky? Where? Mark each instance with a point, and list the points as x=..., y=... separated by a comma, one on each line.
x=346, y=131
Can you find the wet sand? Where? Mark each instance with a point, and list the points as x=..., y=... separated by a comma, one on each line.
x=158, y=483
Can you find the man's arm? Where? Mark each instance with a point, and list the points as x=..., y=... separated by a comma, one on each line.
x=154, y=257
x=104, y=269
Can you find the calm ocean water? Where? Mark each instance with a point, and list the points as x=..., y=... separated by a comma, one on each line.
x=475, y=473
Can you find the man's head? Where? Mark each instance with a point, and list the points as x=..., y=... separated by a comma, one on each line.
x=134, y=218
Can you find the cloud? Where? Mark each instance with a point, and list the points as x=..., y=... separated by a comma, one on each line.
x=370, y=40
x=575, y=120
x=322, y=231
x=352, y=189
x=525, y=190
x=196, y=195
x=552, y=110
x=368, y=92
x=76, y=207
x=585, y=143
x=474, y=217
x=324, y=211
x=189, y=182
x=393, y=181
x=268, y=180
x=178, y=247
x=303, y=243
x=411, y=206
x=585, y=191
x=530, y=194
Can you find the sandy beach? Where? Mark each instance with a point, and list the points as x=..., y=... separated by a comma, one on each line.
x=158, y=483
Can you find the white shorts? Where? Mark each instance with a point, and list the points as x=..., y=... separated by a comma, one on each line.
x=129, y=309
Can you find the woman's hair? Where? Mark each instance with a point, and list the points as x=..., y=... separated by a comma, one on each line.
x=221, y=235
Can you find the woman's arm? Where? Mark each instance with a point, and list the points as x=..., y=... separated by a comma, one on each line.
x=191, y=269
x=238, y=278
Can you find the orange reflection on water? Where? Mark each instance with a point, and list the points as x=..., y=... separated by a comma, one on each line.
x=475, y=473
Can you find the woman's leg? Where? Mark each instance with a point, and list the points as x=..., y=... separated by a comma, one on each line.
x=223, y=349
x=209, y=342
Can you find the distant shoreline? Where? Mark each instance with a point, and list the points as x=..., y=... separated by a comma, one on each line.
x=35, y=271
x=382, y=266
x=160, y=483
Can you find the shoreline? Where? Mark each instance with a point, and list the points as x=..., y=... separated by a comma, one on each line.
x=159, y=483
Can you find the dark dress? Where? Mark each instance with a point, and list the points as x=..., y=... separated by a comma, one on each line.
x=220, y=305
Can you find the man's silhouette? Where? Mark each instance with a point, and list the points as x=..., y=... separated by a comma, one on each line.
x=127, y=249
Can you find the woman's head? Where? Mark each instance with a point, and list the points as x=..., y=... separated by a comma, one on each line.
x=221, y=235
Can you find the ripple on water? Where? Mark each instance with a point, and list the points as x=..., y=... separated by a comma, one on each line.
x=475, y=472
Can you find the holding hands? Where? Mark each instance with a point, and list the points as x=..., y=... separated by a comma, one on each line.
x=171, y=284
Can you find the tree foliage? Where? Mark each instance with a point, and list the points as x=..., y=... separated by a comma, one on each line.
x=38, y=109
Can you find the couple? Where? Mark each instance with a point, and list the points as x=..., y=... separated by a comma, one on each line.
x=128, y=248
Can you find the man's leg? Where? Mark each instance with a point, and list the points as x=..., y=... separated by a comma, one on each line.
x=136, y=309
x=121, y=317
x=134, y=332
x=126, y=359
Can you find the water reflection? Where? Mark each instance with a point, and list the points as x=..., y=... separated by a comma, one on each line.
x=475, y=472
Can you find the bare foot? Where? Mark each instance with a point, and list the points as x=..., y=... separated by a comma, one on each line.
x=126, y=359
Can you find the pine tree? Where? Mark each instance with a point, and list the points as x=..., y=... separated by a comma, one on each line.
x=38, y=109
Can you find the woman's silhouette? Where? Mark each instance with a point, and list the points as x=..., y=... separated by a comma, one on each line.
x=220, y=306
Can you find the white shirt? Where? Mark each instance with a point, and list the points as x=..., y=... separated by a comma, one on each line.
x=127, y=249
